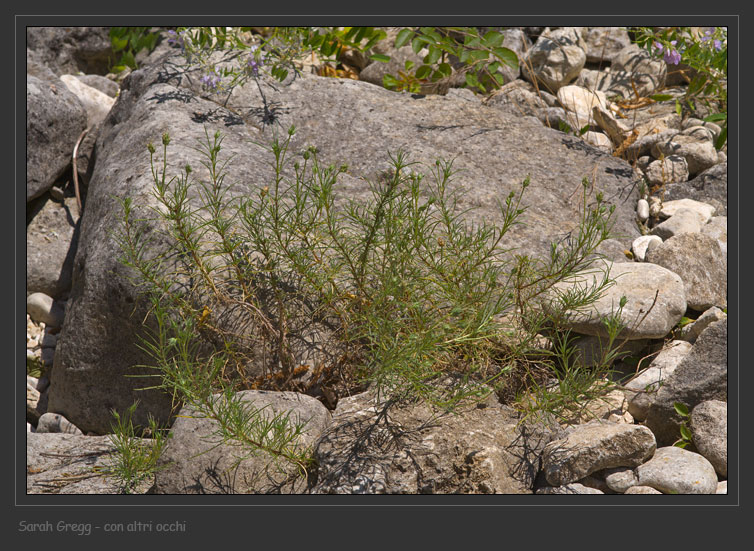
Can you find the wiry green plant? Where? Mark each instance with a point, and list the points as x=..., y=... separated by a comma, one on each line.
x=135, y=458
x=288, y=288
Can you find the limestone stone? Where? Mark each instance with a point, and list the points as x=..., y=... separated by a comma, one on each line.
x=717, y=228
x=54, y=120
x=673, y=168
x=641, y=244
x=556, y=58
x=641, y=390
x=674, y=470
x=702, y=375
x=593, y=447
x=54, y=422
x=709, y=429
x=641, y=490
x=711, y=186
x=620, y=479
x=106, y=309
x=374, y=447
x=42, y=308
x=683, y=221
x=604, y=43
x=701, y=262
x=670, y=208
x=649, y=289
x=568, y=489
x=59, y=463
x=197, y=461
x=96, y=103
x=692, y=331
x=699, y=154
x=642, y=211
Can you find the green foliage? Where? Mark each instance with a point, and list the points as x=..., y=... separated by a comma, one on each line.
x=405, y=291
x=481, y=55
x=34, y=366
x=135, y=459
x=686, y=437
x=219, y=52
x=129, y=41
x=705, y=52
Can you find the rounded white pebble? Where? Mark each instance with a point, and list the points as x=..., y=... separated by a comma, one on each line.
x=642, y=210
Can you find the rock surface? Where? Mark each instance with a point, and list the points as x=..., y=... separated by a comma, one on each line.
x=54, y=120
x=371, y=449
x=654, y=294
x=709, y=427
x=699, y=261
x=702, y=375
x=673, y=470
x=196, y=461
x=593, y=447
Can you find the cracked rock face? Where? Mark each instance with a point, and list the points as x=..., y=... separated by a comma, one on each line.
x=593, y=447
x=374, y=449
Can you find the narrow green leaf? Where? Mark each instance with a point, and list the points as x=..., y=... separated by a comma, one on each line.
x=721, y=139
x=493, y=39
x=389, y=81
x=681, y=409
x=423, y=71
x=716, y=117
x=507, y=56
x=445, y=69
x=119, y=43
x=403, y=36
x=128, y=59
x=380, y=57
x=433, y=55
x=686, y=433
x=661, y=97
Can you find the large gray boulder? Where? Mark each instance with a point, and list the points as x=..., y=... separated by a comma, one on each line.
x=197, y=461
x=350, y=122
x=385, y=448
x=702, y=375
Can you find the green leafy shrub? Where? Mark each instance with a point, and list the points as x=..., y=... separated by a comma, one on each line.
x=481, y=55
x=129, y=41
x=136, y=451
x=286, y=289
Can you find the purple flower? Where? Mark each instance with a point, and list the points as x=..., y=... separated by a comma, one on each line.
x=672, y=57
x=254, y=63
x=658, y=46
x=718, y=45
x=211, y=80
x=176, y=39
